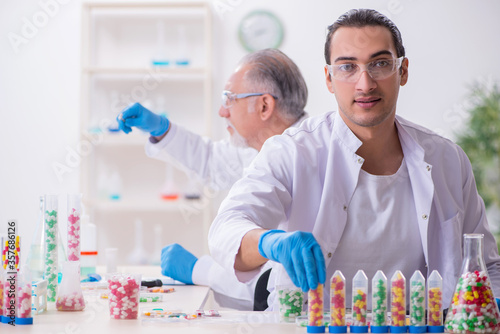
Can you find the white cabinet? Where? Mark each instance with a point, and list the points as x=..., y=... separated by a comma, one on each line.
x=159, y=54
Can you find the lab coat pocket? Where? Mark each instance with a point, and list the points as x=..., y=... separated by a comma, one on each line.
x=445, y=247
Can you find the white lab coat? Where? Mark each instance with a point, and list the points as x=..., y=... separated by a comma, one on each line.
x=218, y=164
x=304, y=180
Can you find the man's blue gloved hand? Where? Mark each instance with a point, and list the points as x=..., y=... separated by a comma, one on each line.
x=178, y=263
x=498, y=302
x=299, y=253
x=142, y=118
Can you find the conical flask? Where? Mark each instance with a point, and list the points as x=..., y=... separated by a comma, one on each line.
x=69, y=294
x=473, y=308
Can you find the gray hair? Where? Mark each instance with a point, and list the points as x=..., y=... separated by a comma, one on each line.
x=271, y=71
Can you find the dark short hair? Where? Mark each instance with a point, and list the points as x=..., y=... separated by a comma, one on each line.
x=359, y=18
x=274, y=72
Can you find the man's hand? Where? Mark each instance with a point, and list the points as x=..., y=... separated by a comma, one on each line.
x=142, y=118
x=178, y=263
x=299, y=253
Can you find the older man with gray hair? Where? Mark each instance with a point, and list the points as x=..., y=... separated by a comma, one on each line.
x=263, y=97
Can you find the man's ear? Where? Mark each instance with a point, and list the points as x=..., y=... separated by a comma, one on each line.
x=329, y=82
x=265, y=106
x=404, y=71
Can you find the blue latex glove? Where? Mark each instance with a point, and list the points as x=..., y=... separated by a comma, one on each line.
x=299, y=253
x=498, y=302
x=142, y=118
x=178, y=263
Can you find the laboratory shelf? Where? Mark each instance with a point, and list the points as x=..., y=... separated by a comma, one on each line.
x=179, y=72
x=118, y=138
x=123, y=41
x=149, y=205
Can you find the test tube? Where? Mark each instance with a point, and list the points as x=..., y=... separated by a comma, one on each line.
x=51, y=234
x=379, y=303
x=398, y=303
x=435, y=303
x=74, y=213
x=417, y=303
x=23, y=315
x=337, y=303
x=1, y=289
x=315, y=324
x=359, y=300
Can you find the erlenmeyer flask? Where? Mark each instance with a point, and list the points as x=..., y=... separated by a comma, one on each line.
x=473, y=308
x=69, y=294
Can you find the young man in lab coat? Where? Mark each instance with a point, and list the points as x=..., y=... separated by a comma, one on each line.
x=361, y=188
x=264, y=96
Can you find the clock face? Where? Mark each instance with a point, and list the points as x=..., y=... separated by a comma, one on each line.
x=260, y=30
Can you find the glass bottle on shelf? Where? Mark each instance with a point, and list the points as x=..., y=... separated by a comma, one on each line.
x=473, y=308
x=169, y=190
x=160, y=57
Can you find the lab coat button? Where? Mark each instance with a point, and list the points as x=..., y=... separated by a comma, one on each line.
x=360, y=161
x=345, y=207
x=428, y=168
x=424, y=216
x=329, y=255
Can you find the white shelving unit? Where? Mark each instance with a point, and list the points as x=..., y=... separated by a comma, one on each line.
x=121, y=40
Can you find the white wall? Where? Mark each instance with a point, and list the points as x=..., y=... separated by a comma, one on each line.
x=449, y=43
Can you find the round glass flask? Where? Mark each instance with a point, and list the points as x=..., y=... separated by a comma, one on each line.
x=473, y=308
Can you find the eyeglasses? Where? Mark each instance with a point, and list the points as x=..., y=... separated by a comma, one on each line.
x=228, y=97
x=379, y=69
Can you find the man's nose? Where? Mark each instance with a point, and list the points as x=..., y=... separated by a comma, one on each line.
x=223, y=112
x=365, y=82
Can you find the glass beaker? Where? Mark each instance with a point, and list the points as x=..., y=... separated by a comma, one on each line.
x=291, y=301
x=124, y=295
x=473, y=308
x=70, y=295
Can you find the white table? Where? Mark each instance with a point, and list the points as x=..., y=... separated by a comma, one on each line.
x=95, y=318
